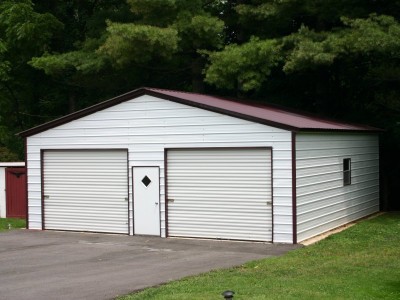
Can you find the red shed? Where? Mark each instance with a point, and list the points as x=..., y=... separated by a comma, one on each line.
x=12, y=190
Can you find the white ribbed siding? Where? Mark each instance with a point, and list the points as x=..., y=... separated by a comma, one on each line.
x=220, y=193
x=146, y=126
x=323, y=202
x=86, y=190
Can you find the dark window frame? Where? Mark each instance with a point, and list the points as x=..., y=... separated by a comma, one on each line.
x=346, y=171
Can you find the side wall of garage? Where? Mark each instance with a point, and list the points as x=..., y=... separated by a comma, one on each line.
x=146, y=126
x=324, y=199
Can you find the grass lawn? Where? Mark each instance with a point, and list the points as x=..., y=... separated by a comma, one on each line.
x=13, y=222
x=362, y=262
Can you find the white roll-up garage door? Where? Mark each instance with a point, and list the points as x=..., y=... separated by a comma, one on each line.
x=86, y=190
x=220, y=193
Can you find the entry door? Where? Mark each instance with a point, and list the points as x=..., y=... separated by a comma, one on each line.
x=146, y=197
x=16, y=192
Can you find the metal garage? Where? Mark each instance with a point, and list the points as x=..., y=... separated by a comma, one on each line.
x=220, y=193
x=85, y=190
x=176, y=164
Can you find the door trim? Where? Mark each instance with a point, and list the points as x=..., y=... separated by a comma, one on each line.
x=133, y=197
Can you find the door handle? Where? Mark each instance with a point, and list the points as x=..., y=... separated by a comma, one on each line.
x=171, y=200
x=156, y=203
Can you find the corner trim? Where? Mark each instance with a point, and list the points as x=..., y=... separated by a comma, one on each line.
x=294, y=184
x=127, y=190
x=272, y=196
x=26, y=184
x=166, y=191
x=42, y=185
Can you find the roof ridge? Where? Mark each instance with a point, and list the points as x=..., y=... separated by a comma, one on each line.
x=199, y=94
x=272, y=106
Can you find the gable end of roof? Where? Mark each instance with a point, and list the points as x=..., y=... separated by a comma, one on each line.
x=82, y=113
x=223, y=107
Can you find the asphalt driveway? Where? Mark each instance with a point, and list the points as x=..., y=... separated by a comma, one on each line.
x=66, y=265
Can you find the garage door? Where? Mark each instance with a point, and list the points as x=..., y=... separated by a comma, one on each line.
x=220, y=193
x=86, y=190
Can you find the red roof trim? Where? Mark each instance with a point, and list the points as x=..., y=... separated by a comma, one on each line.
x=267, y=115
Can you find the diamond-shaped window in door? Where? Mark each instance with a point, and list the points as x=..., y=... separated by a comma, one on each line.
x=146, y=181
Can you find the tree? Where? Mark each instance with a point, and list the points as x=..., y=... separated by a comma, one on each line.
x=162, y=38
x=171, y=33
x=73, y=61
x=24, y=33
x=335, y=58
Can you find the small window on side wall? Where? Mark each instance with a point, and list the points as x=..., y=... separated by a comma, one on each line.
x=346, y=171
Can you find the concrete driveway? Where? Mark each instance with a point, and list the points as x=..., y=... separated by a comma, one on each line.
x=66, y=265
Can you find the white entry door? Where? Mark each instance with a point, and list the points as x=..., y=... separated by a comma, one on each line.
x=146, y=200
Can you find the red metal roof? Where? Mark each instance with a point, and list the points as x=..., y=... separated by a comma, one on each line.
x=264, y=114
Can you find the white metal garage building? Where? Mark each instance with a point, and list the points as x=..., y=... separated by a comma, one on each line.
x=168, y=163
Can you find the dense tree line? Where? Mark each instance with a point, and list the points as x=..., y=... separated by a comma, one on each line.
x=337, y=58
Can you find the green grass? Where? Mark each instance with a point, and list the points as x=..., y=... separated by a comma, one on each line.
x=11, y=223
x=362, y=262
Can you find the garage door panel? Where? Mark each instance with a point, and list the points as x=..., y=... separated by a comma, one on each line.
x=210, y=192
x=71, y=198
x=233, y=234
x=84, y=217
x=93, y=180
x=90, y=226
x=212, y=222
x=211, y=211
x=247, y=227
x=67, y=211
x=205, y=172
x=220, y=193
x=86, y=190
